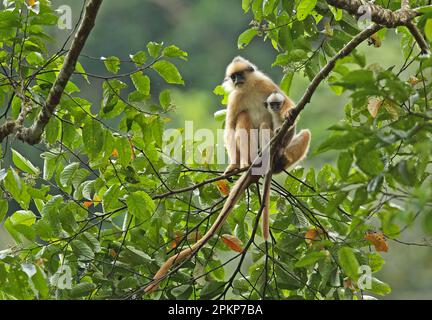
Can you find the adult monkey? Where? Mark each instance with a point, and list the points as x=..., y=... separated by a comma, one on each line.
x=248, y=88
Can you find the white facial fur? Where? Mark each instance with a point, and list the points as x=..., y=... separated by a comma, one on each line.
x=277, y=118
x=275, y=97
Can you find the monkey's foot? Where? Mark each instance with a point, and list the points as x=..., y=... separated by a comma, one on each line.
x=231, y=168
x=244, y=165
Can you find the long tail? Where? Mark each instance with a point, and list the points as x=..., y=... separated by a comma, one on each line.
x=266, y=212
x=240, y=186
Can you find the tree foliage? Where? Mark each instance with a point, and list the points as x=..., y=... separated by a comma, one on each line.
x=106, y=210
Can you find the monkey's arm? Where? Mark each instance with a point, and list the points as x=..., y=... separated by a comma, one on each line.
x=245, y=138
x=230, y=144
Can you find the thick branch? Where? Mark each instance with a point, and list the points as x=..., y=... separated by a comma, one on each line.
x=33, y=134
x=405, y=5
x=379, y=15
x=386, y=17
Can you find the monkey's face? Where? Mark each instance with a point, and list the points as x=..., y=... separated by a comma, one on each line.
x=239, y=78
x=238, y=72
x=274, y=106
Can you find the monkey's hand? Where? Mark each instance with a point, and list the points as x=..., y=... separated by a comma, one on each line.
x=232, y=167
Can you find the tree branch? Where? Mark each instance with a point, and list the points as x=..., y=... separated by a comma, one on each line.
x=345, y=51
x=386, y=17
x=33, y=134
x=247, y=178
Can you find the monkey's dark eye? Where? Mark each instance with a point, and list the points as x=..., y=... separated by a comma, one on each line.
x=237, y=75
x=275, y=104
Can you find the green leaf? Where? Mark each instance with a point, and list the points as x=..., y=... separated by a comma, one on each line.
x=286, y=82
x=82, y=250
x=154, y=49
x=344, y=164
x=380, y=287
x=82, y=289
x=35, y=59
x=24, y=217
x=287, y=279
x=371, y=164
x=220, y=115
x=68, y=174
x=141, y=83
x=23, y=164
x=80, y=69
x=246, y=37
x=375, y=261
x=16, y=188
x=174, y=52
x=40, y=284
x=358, y=79
x=3, y=209
x=268, y=7
x=246, y=5
x=310, y=259
x=165, y=99
x=110, y=199
x=348, y=262
x=135, y=256
x=428, y=30
x=211, y=290
x=139, y=58
x=140, y=204
x=112, y=64
x=93, y=137
x=337, y=13
x=304, y=8
x=52, y=130
x=182, y=292
x=168, y=72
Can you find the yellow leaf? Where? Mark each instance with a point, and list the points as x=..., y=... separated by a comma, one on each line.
x=87, y=203
x=133, y=156
x=375, y=41
x=392, y=109
x=31, y=2
x=374, y=105
x=115, y=153
x=378, y=240
x=223, y=187
x=177, y=239
x=328, y=29
x=413, y=80
x=232, y=242
x=313, y=235
x=112, y=253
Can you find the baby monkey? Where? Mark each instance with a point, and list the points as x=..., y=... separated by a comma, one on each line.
x=292, y=149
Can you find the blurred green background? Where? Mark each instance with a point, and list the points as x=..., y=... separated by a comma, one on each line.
x=208, y=31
